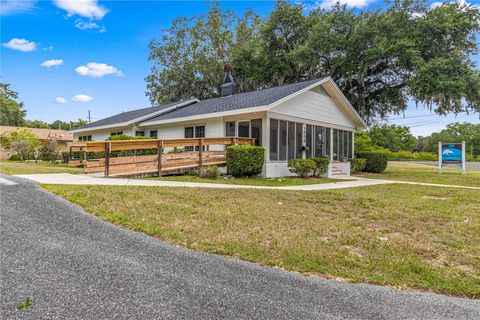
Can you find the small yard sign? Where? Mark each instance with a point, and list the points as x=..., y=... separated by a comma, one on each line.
x=451, y=154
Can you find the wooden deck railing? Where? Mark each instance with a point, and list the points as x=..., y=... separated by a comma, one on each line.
x=160, y=162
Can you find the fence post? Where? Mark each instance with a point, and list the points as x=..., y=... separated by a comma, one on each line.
x=200, y=152
x=160, y=156
x=107, y=158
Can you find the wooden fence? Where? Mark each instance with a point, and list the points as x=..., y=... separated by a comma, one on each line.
x=159, y=163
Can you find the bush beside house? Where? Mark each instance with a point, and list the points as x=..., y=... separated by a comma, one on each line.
x=302, y=167
x=321, y=166
x=375, y=161
x=357, y=164
x=245, y=161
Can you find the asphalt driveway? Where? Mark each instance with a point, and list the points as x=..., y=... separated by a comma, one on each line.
x=75, y=266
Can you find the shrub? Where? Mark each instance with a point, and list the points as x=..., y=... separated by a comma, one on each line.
x=49, y=151
x=321, y=166
x=357, y=164
x=125, y=137
x=245, y=160
x=21, y=142
x=210, y=172
x=301, y=167
x=376, y=161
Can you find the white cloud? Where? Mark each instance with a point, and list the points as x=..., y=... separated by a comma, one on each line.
x=97, y=70
x=82, y=98
x=84, y=8
x=21, y=45
x=82, y=25
x=10, y=7
x=436, y=4
x=60, y=100
x=327, y=4
x=51, y=63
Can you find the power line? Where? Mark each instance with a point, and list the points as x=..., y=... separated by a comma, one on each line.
x=420, y=116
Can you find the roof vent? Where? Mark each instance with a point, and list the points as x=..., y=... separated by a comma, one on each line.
x=228, y=87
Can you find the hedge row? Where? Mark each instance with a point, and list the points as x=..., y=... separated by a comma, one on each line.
x=375, y=161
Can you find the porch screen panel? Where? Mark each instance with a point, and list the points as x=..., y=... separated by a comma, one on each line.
x=291, y=140
x=244, y=129
x=283, y=141
x=257, y=131
x=335, y=144
x=327, y=142
x=299, y=139
x=319, y=142
x=345, y=144
x=350, y=144
x=273, y=139
x=309, y=140
x=230, y=129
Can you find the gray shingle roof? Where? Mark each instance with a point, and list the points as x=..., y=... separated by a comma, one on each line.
x=127, y=116
x=243, y=100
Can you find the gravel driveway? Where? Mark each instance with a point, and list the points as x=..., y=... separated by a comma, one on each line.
x=75, y=266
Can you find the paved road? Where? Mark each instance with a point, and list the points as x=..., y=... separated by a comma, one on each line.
x=75, y=266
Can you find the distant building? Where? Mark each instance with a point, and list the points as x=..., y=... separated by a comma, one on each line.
x=61, y=136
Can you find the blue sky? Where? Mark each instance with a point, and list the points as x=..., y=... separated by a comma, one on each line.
x=95, y=55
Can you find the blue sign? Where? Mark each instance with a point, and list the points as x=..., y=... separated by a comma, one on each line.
x=452, y=153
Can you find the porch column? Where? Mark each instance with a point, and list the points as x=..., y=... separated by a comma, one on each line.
x=331, y=144
x=266, y=136
x=353, y=144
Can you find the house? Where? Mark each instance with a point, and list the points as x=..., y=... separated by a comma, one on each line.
x=60, y=136
x=300, y=120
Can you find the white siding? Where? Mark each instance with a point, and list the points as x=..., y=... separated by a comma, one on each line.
x=102, y=135
x=314, y=106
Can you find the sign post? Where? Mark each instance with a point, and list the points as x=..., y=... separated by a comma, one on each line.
x=451, y=154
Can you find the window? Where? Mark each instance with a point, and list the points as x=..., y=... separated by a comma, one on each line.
x=117, y=133
x=139, y=133
x=85, y=138
x=199, y=131
x=291, y=140
x=244, y=129
x=230, y=129
x=299, y=139
x=194, y=132
x=283, y=141
x=188, y=132
x=256, y=125
x=154, y=134
x=273, y=139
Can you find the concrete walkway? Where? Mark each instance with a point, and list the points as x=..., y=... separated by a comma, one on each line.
x=81, y=179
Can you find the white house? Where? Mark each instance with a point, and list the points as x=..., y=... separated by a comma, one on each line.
x=301, y=120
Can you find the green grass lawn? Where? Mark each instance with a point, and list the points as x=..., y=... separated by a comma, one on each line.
x=405, y=171
x=403, y=236
x=17, y=167
x=254, y=181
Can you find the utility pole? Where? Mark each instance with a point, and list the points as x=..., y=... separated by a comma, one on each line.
x=89, y=119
